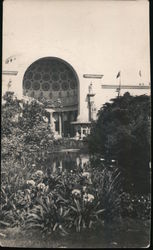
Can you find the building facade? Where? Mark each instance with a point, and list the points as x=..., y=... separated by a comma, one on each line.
x=48, y=47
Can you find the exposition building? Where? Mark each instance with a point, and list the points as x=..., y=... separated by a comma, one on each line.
x=50, y=46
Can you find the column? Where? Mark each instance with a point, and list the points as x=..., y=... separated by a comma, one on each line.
x=81, y=132
x=89, y=107
x=54, y=167
x=88, y=130
x=60, y=124
x=52, y=121
x=60, y=166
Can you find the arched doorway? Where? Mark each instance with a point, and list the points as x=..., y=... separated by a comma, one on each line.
x=54, y=82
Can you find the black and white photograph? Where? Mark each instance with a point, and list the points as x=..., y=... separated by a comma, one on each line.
x=75, y=124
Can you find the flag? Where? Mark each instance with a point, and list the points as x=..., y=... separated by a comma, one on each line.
x=140, y=73
x=118, y=74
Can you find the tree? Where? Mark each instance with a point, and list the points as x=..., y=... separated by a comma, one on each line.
x=25, y=134
x=122, y=132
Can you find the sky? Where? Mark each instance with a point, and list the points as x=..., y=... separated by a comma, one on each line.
x=96, y=37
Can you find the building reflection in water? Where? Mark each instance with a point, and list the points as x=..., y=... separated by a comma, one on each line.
x=67, y=161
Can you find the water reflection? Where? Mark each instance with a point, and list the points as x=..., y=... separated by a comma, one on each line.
x=67, y=160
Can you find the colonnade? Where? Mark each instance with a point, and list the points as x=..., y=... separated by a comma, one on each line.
x=60, y=118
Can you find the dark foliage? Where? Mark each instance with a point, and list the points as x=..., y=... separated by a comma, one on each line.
x=122, y=132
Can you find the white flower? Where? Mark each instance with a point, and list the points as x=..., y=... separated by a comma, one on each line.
x=76, y=192
x=88, y=197
x=41, y=186
x=31, y=182
x=39, y=173
x=84, y=188
x=113, y=160
x=28, y=191
x=46, y=188
x=86, y=174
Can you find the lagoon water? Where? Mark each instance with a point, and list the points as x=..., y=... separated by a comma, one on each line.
x=69, y=159
x=72, y=158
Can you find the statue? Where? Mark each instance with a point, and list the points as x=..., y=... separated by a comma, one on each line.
x=77, y=136
x=90, y=88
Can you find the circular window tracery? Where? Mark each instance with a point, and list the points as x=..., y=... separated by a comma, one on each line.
x=36, y=85
x=55, y=77
x=37, y=76
x=51, y=74
x=46, y=77
x=56, y=86
x=63, y=76
x=45, y=86
x=65, y=86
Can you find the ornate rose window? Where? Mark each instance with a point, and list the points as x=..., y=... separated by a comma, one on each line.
x=52, y=77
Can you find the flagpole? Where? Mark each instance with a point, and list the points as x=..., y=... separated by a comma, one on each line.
x=119, y=89
x=140, y=77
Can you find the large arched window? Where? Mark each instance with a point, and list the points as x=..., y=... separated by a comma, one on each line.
x=54, y=78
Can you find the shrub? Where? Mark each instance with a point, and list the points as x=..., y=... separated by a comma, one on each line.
x=136, y=206
x=60, y=203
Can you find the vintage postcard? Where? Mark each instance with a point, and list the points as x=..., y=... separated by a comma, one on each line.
x=76, y=124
